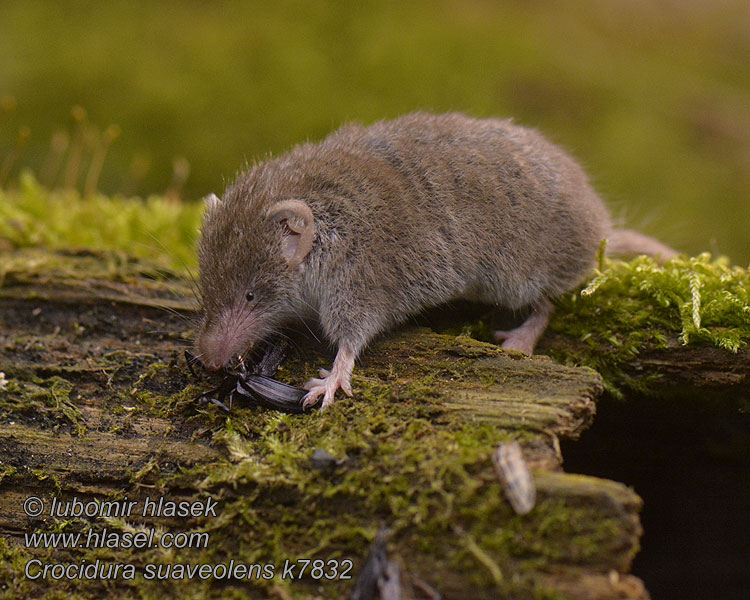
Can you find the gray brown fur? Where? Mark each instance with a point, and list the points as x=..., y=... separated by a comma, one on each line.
x=408, y=214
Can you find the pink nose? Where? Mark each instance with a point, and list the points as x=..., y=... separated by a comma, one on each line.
x=225, y=339
x=215, y=351
x=218, y=350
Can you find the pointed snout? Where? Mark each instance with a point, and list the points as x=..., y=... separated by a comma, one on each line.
x=220, y=343
x=213, y=364
x=217, y=350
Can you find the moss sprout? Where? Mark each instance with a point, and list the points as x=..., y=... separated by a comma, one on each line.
x=628, y=305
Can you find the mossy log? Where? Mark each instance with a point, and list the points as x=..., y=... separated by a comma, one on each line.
x=673, y=368
x=97, y=403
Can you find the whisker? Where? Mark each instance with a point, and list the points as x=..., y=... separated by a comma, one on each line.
x=194, y=287
x=301, y=332
x=169, y=337
x=167, y=332
x=304, y=322
x=173, y=311
x=309, y=305
x=292, y=341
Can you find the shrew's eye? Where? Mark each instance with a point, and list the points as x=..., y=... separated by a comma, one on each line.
x=249, y=296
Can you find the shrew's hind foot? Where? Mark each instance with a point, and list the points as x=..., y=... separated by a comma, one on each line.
x=525, y=336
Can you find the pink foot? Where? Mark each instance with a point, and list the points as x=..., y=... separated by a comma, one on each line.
x=525, y=337
x=340, y=376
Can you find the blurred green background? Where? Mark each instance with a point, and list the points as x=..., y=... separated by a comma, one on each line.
x=653, y=96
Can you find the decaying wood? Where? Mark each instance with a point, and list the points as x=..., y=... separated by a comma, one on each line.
x=678, y=369
x=81, y=334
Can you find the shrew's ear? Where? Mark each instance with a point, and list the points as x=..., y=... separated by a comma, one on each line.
x=212, y=202
x=299, y=228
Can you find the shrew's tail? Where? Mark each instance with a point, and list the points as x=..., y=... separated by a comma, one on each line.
x=627, y=241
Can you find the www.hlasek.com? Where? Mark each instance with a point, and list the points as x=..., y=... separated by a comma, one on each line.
x=148, y=538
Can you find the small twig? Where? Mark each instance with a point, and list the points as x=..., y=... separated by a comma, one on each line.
x=24, y=133
x=367, y=584
x=425, y=588
x=73, y=167
x=97, y=161
x=481, y=556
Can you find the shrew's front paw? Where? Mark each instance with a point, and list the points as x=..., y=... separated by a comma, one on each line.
x=326, y=386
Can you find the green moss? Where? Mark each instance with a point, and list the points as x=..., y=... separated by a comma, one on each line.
x=12, y=563
x=628, y=305
x=7, y=471
x=157, y=229
x=394, y=465
x=405, y=462
x=43, y=398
